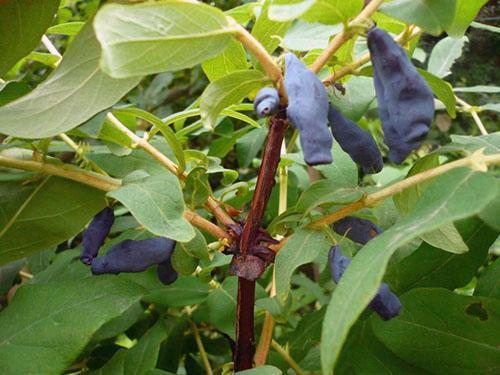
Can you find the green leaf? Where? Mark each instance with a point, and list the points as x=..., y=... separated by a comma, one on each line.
x=196, y=188
x=445, y=237
x=267, y=31
x=444, y=54
x=480, y=88
x=52, y=323
x=442, y=90
x=187, y=290
x=306, y=335
x=119, y=324
x=304, y=36
x=23, y=24
x=197, y=247
x=464, y=15
x=149, y=38
x=482, y=26
x=68, y=28
x=324, y=192
x=230, y=89
x=37, y=216
x=333, y=11
x=156, y=202
x=182, y=262
x=248, y=146
x=143, y=356
x=72, y=94
x=363, y=353
x=451, y=197
x=302, y=247
x=490, y=142
x=434, y=16
x=360, y=94
x=427, y=336
x=488, y=283
x=222, y=306
x=231, y=59
x=490, y=214
x=343, y=171
x=428, y=266
x=164, y=129
x=288, y=10
x=13, y=90
x=44, y=58
x=262, y=370
x=8, y=272
x=406, y=200
x=491, y=107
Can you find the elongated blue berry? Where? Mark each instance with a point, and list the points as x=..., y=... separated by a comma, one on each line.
x=166, y=272
x=356, y=229
x=95, y=234
x=359, y=144
x=385, y=303
x=267, y=102
x=134, y=256
x=405, y=101
x=308, y=111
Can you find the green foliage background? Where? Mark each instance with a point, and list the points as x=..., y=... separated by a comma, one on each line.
x=438, y=252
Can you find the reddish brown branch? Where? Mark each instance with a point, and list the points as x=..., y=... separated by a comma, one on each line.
x=245, y=342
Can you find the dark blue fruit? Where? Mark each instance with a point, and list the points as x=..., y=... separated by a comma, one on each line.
x=166, y=272
x=134, y=256
x=356, y=229
x=308, y=111
x=385, y=303
x=359, y=144
x=267, y=102
x=405, y=101
x=95, y=234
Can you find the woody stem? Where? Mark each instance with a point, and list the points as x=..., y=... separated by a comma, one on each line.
x=245, y=342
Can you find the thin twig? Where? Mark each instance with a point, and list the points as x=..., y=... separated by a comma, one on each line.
x=101, y=182
x=266, y=60
x=284, y=354
x=145, y=145
x=78, y=150
x=212, y=204
x=402, y=39
x=201, y=349
x=63, y=170
x=344, y=35
x=467, y=107
x=477, y=161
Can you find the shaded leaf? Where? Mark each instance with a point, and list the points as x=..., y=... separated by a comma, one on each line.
x=73, y=93
x=23, y=24
x=444, y=54
x=451, y=197
x=452, y=334
x=53, y=334
x=230, y=89
x=51, y=211
x=430, y=267
x=433, y=16
x=187, y=290
x=173, y=35
x=157, y=203
x=300, y=248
